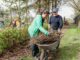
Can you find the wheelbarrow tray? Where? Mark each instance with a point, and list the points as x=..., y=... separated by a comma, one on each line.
x=51, y=46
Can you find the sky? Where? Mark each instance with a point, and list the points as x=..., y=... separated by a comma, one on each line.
x=65, y=10
x=2, y=4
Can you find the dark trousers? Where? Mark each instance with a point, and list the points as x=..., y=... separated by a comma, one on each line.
x=35, y=50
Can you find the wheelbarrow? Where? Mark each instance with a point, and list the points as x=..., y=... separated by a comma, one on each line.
x=46, y=48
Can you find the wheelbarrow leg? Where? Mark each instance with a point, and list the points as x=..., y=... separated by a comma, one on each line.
x=58, y=45
x=42, y=54
x=45, y=55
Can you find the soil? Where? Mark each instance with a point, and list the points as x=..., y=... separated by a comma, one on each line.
x=16, y=52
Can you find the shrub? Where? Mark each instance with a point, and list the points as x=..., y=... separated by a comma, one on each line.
x=10, y=37
x=46, y=26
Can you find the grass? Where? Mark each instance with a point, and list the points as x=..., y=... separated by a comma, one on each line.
x=26, y=58
x=69, y=47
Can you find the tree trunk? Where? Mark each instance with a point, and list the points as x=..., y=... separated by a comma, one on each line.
x=79, y=24
x=26, y=13
x=19, y=9
x=55, y=3
x=10, y=12
x=52, y=5
x=19, y=12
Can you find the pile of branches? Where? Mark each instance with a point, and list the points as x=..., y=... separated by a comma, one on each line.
x=42, y=39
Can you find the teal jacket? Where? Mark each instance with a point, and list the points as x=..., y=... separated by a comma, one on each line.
x=37, y=27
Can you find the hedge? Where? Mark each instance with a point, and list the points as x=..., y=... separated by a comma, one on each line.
x=10, y=37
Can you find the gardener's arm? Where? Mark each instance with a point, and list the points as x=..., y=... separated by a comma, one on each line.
x=60, y=23
x=39, y=24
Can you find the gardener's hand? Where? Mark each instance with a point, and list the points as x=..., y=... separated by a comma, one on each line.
x=49, y=34
x=59, y=31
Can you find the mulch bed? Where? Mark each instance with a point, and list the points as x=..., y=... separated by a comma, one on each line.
x=16, y=52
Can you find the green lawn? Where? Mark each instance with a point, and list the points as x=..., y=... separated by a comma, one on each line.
x=70, y=45
x=26, y=58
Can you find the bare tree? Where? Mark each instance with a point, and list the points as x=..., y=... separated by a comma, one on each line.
x=75, y=4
